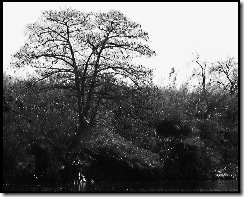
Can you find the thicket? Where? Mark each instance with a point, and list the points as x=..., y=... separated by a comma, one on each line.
x=148, y=132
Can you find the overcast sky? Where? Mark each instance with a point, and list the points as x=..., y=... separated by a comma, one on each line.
x=176, y=30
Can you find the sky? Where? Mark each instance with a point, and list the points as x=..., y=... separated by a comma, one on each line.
x=176, y=30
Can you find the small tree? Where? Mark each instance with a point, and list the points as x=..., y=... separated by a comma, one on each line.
x=201, y=72
x=77, y=51
x=226, y=74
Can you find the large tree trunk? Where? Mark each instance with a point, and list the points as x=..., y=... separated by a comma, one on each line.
x=82, y=126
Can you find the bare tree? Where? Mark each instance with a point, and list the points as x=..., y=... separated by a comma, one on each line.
x=201, y=72
x=226, y=74
x=78, y=51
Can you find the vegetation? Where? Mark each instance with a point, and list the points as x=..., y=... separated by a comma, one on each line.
x=93, y=111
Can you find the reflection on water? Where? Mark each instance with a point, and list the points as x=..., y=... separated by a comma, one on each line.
x=168, y=186
x=164, y=186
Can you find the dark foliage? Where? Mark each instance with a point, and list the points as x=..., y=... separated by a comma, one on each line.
x=167, y=128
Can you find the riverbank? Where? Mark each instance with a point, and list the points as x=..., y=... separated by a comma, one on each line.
x=118, y=186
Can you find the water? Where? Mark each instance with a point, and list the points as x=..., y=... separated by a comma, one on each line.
x=164, y=186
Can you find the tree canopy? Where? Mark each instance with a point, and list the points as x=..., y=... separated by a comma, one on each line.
x=84, y=52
